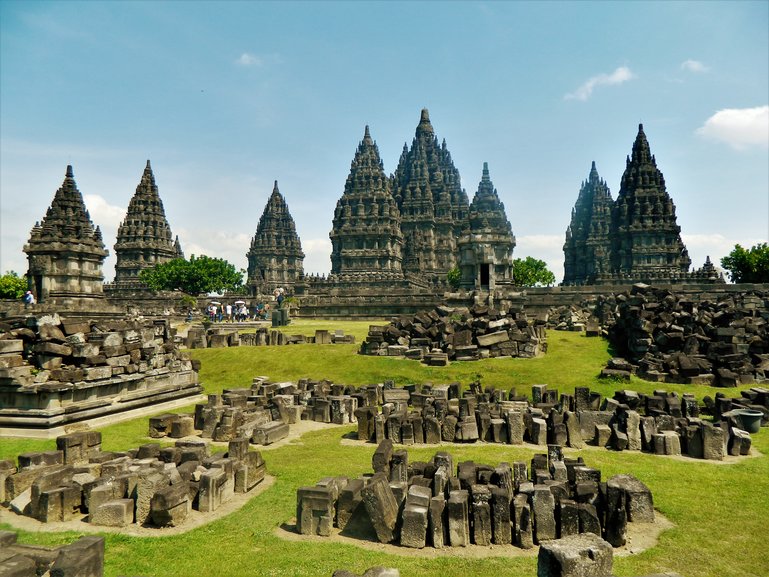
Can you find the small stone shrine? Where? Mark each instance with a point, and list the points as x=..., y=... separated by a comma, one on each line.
x=66, y=252
x=144, y=238
x=275, y=259
x=433, y=504
x=486, y=246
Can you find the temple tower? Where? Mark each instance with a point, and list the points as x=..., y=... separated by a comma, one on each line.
x=65, y=251
x=275, y=258
x=432, y=204
x=366, y=236
x=646, y=239
x=144, y=238
x=486, y=244
x=587, y=249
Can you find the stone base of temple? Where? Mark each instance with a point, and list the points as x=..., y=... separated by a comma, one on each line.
x=49, y=409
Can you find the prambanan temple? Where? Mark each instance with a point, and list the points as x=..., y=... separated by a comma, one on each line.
x=394, y=237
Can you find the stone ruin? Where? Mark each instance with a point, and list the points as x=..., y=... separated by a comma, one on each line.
x=458, y=334
x=580, y=555
x=262, y=413
x=222, y=337
x=150, y=486
x=432, y=504
x=82, y=558
x=662, y=423
x=667, y=338
x=56, y=371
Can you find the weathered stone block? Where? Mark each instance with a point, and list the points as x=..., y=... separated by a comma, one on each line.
x=584, y=555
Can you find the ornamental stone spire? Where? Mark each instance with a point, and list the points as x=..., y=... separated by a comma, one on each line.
x=275, y=259
x=486, y=245
x=646, y=239
x=366, y=237
x=65, y=251
x=432, y=203
x=144, y=237
x=587, y=247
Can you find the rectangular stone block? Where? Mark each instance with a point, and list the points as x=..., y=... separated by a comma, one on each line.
x=459, y=520
x=116, y=513
x=381, y=506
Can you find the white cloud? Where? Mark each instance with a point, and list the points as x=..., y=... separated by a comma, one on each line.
x=620, y=75
x=740, y=128
x=694, y=66
x=105, y=215
x=247, y=59
x=317, y=255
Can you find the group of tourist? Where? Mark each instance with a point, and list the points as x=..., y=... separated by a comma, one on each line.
x=237, y=312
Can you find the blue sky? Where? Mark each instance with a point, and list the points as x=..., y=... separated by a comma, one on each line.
x=224, y=98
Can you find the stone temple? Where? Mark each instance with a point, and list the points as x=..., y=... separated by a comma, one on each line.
x=65, y=251
x=486, y=245
x=634, y=238
x=275, y=258
x=144, y=237
x=433, y=206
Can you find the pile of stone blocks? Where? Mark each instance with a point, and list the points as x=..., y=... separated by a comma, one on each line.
x=432, y=504
x=661, y=423
x=446, y=334
x=667, y=338
x=54, y=372
x=222, y=337
x=262, y=413
x=149, y=486
x=83, y=558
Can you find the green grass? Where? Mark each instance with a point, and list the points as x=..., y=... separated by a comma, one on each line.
x=719, y=510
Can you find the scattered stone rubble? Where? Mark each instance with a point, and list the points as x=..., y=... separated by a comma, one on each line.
x=82, y=558
x=56, y=371
x=667, y=338
x=263, y=412
x=222, y=337
x=150, y=486
x=421, y=504
x=447, y=334
x=661, y=423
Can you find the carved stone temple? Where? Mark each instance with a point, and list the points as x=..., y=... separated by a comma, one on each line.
x=486, y=245
x=275, y=258
x=65, y=251
x=433, y=206
x=638, y=239
x=366, y=238
x=587, y=248
x=144, y=237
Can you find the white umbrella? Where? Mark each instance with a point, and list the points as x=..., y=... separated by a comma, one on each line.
x=240, y=302
x=215, y=303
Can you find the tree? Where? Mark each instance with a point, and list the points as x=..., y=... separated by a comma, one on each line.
x=454, y=277
x=751, y=265
x=12, y=286
x=531, y=272
x=195, y=276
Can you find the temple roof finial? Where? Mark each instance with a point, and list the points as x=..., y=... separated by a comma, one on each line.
x=70, y=174
x=148, y=165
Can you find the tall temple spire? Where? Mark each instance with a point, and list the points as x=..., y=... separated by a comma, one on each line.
x=65, y=251
x=275, y=259
x=646, y=239
x=366, y=237
x=433, y=206
x=587, y=247
x=144, y=237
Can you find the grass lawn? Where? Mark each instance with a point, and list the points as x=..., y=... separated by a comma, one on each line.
x=720, y=511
